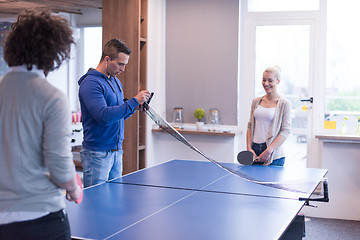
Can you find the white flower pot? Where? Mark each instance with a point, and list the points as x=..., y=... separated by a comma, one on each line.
x=199, y=126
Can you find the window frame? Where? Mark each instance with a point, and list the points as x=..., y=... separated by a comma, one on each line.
x=317, y=68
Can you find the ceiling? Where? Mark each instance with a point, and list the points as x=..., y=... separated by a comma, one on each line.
x=10, y=8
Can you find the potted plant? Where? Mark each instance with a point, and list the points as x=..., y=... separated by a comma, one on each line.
x=199, y=113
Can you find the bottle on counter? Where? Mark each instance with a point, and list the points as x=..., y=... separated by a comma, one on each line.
x=357, y=129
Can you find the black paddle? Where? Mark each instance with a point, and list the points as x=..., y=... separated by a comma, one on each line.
x=145, y=105
x=245, y=158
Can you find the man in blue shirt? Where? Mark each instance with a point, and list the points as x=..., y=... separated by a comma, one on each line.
x=104, y=110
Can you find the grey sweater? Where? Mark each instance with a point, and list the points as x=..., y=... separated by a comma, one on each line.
x=281, y=124
x=35, y=150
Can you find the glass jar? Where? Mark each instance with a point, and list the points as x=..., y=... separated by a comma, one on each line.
x=177, y=115
x=214, y=116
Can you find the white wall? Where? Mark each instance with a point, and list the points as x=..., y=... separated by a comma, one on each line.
x=155, y=72
x=192, y=48
x=202, y=57
x=219, y=148
x=342, y=159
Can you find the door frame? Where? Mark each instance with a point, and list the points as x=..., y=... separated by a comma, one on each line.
x=317, y=65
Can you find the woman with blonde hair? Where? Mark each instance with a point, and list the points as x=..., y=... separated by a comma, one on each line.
x=270, y=122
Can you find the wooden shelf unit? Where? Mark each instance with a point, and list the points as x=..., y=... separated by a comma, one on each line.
x=127, y=20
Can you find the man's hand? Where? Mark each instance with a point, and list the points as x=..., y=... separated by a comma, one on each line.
x=142, y=96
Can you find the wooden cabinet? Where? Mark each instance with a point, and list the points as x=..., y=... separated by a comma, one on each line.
x=127, y=20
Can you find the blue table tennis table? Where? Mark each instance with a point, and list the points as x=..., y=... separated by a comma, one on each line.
x=185, y=200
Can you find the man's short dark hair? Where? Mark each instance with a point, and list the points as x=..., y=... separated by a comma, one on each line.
x=38, y=38
x=113, y=48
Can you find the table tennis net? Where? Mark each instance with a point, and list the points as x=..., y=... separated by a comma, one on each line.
x=300, y=186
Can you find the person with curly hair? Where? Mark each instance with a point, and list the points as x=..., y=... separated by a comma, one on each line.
x=35, y=131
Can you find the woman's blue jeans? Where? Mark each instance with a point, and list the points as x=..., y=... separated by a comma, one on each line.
x=259, y=148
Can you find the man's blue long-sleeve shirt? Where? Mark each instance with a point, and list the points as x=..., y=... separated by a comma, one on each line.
x=103, y=111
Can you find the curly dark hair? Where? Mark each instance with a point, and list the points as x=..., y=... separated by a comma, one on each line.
x=38, y=38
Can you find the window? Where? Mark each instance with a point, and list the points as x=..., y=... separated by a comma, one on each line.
x=282, y=5
x=92, y=47
x=342, y=96
x=338, y=95
x=286, y=46
x=4, y=27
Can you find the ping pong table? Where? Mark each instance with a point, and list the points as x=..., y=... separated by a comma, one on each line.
x=183, y=199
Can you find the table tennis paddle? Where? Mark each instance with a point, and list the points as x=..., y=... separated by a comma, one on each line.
x=245, y=158
x=78, y=180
